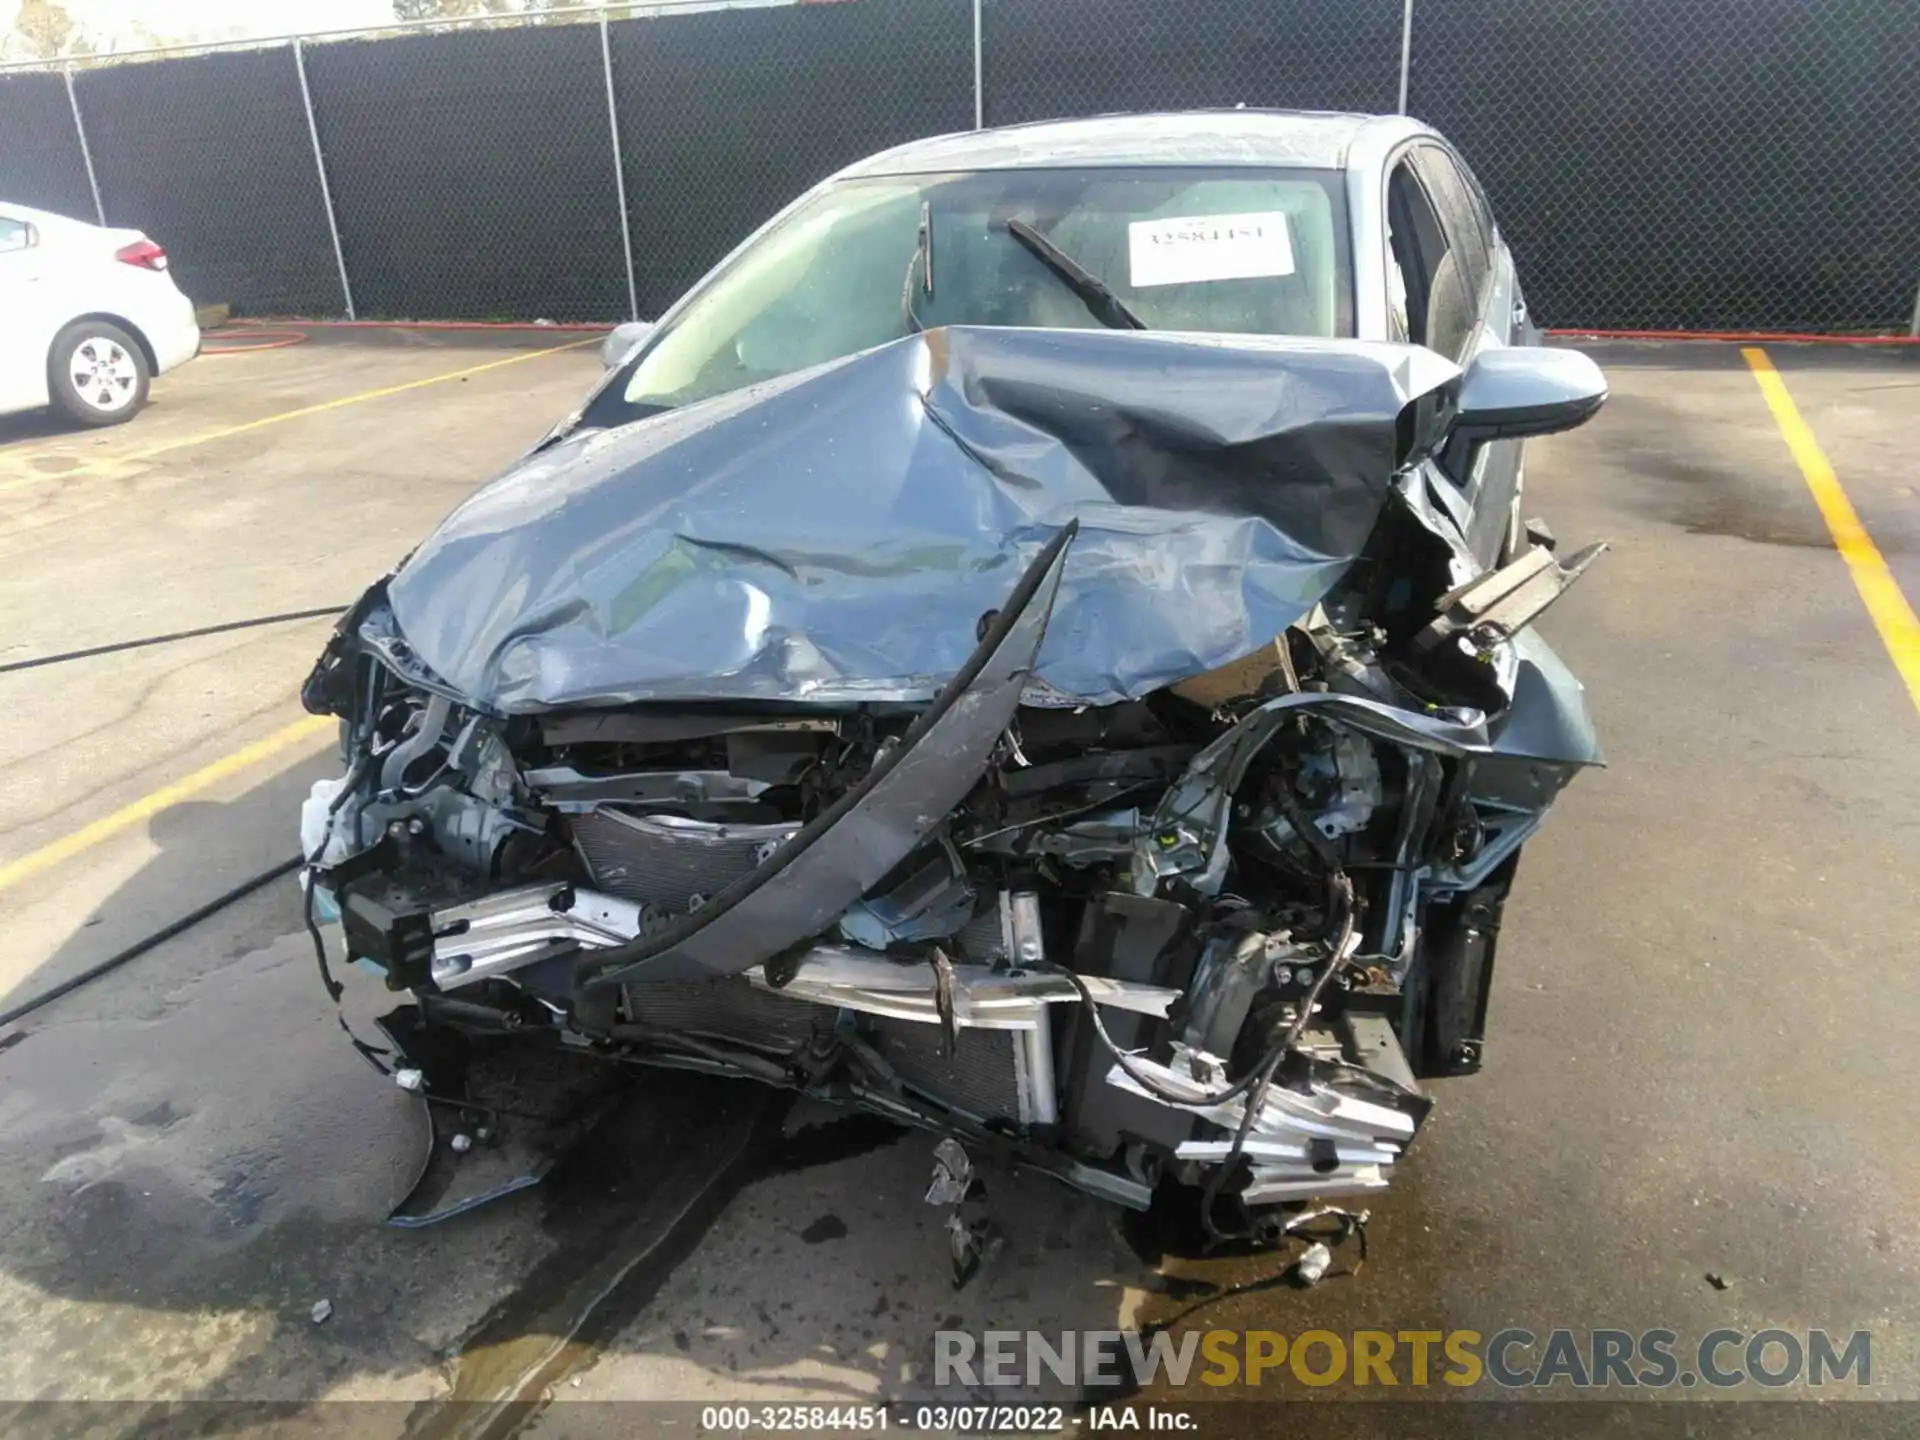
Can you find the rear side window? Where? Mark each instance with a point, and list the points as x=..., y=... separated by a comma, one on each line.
x=1435, y=274
x=16, y=235
x=1483, y=211
x=1455, y=197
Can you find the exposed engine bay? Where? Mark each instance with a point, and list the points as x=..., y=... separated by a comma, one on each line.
x=1211, y=934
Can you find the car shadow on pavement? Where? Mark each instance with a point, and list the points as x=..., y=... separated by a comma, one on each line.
x=31, y=425
x=193, y=1157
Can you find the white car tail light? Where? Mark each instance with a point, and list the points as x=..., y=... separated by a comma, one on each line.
x=144, y=253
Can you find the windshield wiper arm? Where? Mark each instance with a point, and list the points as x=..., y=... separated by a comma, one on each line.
x=923, y=257
x=1106, y=306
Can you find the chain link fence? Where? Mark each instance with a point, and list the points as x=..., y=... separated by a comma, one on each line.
x=1690, y=164
x=727, y=115
x=471, y=173
x=1656, y=164
x=211, y=154
x=40, y=160
x=1044, y=59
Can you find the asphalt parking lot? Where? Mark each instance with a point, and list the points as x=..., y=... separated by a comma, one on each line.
x=1702, y=1020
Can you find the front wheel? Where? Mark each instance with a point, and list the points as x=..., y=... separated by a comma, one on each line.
x=97, y=374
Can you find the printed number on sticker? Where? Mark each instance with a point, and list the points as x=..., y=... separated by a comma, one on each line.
x=1190, y=248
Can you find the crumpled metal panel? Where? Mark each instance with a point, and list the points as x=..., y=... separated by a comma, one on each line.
x=835, y=535
x=811, y=880
x=1547, y=721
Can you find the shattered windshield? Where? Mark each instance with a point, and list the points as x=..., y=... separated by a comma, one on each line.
x=1233, y=250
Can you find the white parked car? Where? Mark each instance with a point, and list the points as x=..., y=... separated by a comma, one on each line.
x=91, y=316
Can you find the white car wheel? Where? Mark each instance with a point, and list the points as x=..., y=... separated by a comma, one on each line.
x=97, y=373
x=104, y=375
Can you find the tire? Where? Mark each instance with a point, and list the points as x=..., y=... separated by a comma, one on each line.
x=97, y=374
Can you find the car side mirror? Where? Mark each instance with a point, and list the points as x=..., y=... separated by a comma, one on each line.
x=1511, y=393
x=623, y=340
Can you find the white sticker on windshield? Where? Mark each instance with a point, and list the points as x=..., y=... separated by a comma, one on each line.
x=1191, y=248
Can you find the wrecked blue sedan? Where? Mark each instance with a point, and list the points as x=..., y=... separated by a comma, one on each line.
x=1102, y=742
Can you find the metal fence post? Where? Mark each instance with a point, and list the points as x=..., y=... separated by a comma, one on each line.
x=1914, y=328
x=1406, y=50
x=979, y=90
x=86, y=151
x=320, y=164
x=619, y=169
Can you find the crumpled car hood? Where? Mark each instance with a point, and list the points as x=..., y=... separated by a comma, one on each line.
x=838, y=534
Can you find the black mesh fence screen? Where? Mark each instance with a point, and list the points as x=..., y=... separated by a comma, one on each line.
x=40, y=161
x=1690, y=164
x=1049, y=58
x=210, y=156
x=727, y=115
x=472, y=173
x=1656, y=164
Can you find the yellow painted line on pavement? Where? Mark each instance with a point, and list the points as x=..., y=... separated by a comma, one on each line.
x=145, y=808
x=223, y=432
x=1887, y=606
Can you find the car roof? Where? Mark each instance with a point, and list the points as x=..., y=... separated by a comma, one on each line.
x=1307, y=139
x=46, y=219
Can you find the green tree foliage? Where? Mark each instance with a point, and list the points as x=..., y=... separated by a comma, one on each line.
x=466, y=9
x=44, y=30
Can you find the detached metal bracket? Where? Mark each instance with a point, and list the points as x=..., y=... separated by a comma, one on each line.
x=1494, y=607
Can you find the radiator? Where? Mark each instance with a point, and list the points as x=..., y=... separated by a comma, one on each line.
x=732, y=1009
x=667, y=860
x=984, y=1077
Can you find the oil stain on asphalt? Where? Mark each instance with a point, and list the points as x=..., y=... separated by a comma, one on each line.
x=629, y=1203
